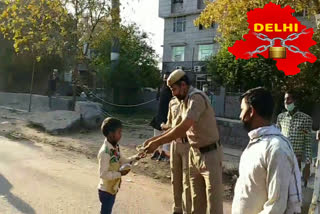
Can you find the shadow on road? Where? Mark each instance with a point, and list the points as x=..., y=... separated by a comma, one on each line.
x=15, y=201
x=307, y=197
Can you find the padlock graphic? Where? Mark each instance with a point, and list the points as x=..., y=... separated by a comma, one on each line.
x=277, y=52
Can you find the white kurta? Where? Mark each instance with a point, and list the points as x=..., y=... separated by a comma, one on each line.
x=268, y=171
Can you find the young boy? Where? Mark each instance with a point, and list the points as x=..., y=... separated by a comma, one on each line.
x=110, y=162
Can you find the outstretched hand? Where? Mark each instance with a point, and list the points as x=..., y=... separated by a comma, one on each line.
x=146, y=143
x=151, y=147
x=140, y=155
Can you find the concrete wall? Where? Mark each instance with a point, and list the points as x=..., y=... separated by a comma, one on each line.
x=232, y=107
x=217, y=103
x=3, y=80
x=232, y=133
x=142, y=97
x=164, y=8
x=309, y=23
x=147, y=96
x=39, y=103
x=226, y=105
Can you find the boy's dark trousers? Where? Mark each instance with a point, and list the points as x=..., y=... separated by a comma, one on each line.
x=107, y=201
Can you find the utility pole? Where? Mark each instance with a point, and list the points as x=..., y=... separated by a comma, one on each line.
x=115, y=48
x=315, y=203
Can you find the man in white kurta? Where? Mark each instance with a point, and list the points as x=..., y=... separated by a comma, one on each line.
x=269, y=177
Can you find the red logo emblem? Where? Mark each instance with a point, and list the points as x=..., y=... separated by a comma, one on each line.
x=275, y=33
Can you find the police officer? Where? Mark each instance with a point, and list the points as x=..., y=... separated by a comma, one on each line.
x=205, y=156
x=179, y=162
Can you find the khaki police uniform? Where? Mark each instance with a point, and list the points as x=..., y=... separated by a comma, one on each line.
x=205, y=157
x=179, y=163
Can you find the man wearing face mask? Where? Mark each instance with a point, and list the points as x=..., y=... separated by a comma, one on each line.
x=269, y=178
x=205, y=155
x=297, y=126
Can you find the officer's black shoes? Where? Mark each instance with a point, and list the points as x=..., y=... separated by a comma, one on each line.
x=163, y=157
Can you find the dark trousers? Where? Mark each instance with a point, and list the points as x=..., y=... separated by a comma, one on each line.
x=305, y=171
x=107, y=202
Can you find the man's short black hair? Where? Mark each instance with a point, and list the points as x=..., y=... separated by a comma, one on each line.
x=293, y=94
x=185, y=79
x=261, y=100
x=109, y=125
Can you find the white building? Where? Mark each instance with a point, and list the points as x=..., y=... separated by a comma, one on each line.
x=185, y=45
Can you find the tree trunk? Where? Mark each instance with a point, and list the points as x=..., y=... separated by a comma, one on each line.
x=31, y=86
x=74, y=87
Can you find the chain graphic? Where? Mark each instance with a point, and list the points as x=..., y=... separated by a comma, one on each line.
x=291, y=48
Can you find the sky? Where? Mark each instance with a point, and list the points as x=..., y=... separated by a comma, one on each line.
x=145, y=14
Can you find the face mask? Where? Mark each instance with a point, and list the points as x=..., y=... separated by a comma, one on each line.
x=290, y=107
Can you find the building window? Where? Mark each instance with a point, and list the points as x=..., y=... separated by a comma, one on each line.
x=178, y=54
x=179, y=24
x=201, y=4
x=201, y=27
x=177, y=1
x=205, y=51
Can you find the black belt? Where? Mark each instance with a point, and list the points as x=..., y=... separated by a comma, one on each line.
x=183, y=140
x=210, y=147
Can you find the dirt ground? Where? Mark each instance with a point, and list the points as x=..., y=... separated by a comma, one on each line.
x=86, y=143
x=13, y=125
x=38, y=178
x=77, y=151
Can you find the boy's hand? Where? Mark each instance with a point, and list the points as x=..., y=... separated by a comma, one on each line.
x=141, y=155
x=124, y=172
x=137, y=157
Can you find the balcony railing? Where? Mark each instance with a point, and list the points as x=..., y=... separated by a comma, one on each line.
x=191, y=66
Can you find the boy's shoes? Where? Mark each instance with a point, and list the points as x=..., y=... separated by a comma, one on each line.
x=155, y=155
x=166, y=159
x=163, y=157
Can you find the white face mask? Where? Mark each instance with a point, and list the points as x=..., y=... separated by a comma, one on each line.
x=290, y=107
